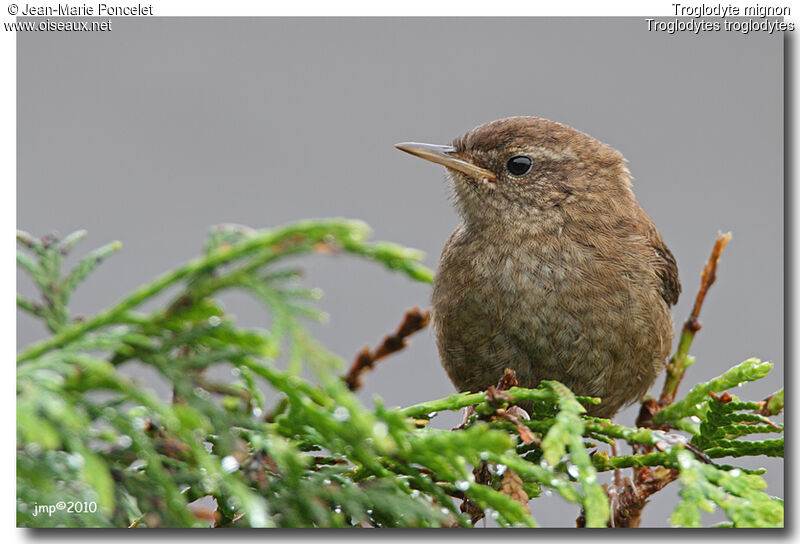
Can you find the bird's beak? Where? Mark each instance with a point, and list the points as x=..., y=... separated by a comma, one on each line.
x=446, y=156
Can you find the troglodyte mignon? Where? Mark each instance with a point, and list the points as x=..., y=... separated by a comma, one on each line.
x=555, y=270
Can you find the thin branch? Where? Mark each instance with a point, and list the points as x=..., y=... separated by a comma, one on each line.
x=679, y=362
x=772, y=405
x=145, y=292
x=415, y=320
x=629, y=501
x=311, y=231
x=28, y=306
x=28, y=240
x=457, y=401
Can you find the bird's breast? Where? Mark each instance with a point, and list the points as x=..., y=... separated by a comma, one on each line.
x=549, y=309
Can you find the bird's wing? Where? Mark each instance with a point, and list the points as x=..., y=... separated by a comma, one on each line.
x=666, y=267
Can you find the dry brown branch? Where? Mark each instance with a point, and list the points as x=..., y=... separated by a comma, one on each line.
x=483, y=476
x=507, y=380
x=724, y=398
x=512, y=486
x=677, y=364
x=772, y=405
x=414, y=320
x=525, y=434
x=628, y=500
x=707, y=279
x=628, y=503
x=204, y=513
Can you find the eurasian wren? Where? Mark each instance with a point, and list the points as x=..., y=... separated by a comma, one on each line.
x=555, y=270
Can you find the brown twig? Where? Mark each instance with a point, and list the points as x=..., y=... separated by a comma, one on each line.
x=507, y=380
x=724, y=398
x=483, y=476
x=772, y=405
x=206, y=514
x=414, y=320
x=677, y=364
x=628, y=500
x=512, y=413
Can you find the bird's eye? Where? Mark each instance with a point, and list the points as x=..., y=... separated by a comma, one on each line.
x=519, y=165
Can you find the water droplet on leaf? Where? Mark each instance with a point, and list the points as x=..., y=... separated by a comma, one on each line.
x=202, y=393
x=573, y=471
x=76, y=460
x=380, y=430
x=340, y=413
x=230, y=464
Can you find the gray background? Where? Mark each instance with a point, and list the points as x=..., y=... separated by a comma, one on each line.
x=152, y=132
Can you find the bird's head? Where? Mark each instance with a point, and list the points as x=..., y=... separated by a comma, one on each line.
x=524, y=169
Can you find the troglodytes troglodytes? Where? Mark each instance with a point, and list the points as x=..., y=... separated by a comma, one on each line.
x=555, y=270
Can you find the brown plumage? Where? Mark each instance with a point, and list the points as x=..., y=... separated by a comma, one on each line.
x=555, y=270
